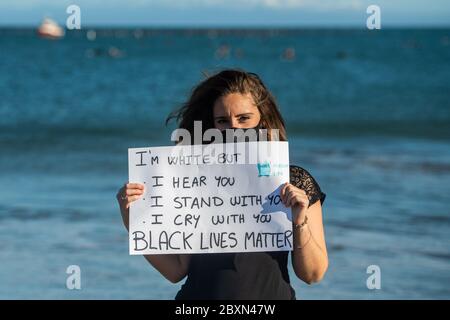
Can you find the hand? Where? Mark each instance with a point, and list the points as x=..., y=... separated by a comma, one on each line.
x=297, y=199
x=125, y=196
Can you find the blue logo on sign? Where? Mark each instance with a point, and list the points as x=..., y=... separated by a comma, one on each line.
x=263, y=169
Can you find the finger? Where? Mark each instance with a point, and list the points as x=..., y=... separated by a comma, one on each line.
x=297, y=189
x=291, y=194
x=283, y=192
x=132, y=192
x=131, y=199
x=291, y=191
x=295, y=196
x=134, y=186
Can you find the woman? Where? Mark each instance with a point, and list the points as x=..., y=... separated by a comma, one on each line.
x=238, y=99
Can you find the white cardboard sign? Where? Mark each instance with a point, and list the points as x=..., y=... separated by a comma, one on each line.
x=210, y=198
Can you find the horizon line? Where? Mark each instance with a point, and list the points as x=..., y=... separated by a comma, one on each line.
x=234, y=26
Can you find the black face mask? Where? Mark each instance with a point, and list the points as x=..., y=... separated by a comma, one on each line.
x=241, y=134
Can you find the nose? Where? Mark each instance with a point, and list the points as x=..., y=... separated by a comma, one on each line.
x=235, y=124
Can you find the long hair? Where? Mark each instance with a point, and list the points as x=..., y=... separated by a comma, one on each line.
x=199, y=107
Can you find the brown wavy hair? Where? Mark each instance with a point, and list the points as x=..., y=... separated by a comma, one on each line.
x=199, y=107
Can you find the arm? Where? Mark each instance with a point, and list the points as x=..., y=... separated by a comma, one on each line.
x=173, y=267
x=309, y=256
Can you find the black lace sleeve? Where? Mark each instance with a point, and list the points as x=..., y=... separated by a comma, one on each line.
x=304, y=180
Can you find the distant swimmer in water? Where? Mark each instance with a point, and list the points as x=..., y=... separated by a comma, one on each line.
x=288, y=54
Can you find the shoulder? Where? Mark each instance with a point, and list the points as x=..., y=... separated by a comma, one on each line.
x=300, y=176
x=302, y=179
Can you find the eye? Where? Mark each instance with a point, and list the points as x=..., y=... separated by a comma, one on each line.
x=243, y=118
x=222, y=121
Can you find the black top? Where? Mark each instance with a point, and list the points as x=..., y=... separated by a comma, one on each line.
x=249, y=275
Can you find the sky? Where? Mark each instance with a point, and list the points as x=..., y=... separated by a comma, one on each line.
x=228, y=13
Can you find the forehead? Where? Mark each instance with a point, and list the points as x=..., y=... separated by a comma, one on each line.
x=234, y=103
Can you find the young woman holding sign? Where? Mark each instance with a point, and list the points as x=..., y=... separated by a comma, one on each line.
x=239, y=99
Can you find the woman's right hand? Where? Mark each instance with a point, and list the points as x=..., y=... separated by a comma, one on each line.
x=125, y=196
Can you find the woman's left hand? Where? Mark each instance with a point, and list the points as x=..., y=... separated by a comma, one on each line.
x=296, y=198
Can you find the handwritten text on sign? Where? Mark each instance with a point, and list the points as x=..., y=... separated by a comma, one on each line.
x=210, y=198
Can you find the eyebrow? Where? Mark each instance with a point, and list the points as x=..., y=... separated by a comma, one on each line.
x=241, y=114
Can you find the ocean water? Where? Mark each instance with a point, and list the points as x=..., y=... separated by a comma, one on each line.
x=367, y=113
